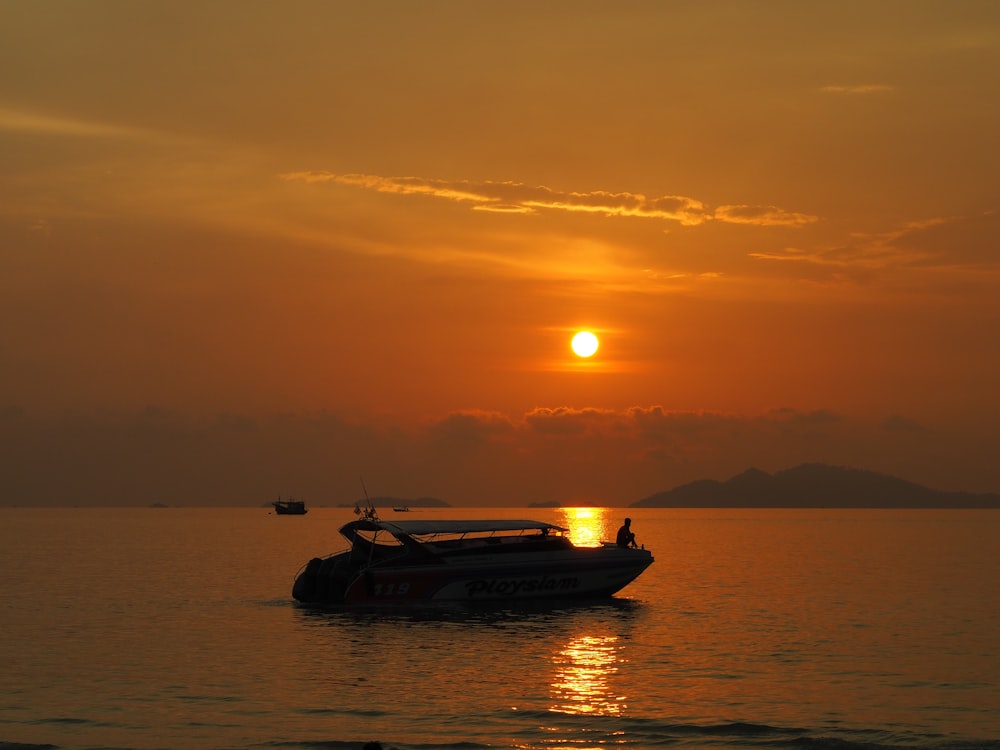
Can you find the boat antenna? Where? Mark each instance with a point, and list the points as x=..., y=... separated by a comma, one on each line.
x=369, y=511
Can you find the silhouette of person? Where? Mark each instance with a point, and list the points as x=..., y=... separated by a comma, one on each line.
x=625, y=536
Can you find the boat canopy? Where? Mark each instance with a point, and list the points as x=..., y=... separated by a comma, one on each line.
x=425, y=527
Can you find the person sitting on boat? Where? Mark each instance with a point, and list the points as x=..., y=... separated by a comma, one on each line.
x=625, y=536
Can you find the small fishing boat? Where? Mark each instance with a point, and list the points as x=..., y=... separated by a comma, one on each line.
x=407, y=562
x=290, y=507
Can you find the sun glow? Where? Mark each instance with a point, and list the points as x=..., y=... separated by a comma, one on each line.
x=585, y=344
x=588, y=527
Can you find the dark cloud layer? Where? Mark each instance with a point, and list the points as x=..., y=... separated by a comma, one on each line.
x=595, y=456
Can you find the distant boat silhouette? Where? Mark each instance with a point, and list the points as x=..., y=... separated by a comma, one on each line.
x=290, y=507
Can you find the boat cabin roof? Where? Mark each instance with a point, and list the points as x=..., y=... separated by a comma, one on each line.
x=426, y=527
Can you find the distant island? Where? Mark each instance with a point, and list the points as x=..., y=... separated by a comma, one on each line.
x=813, y=485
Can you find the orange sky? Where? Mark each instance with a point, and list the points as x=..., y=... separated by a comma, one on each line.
x=260, y=248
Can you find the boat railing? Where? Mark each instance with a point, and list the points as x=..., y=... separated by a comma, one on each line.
x=491, y=537
x=498, y=544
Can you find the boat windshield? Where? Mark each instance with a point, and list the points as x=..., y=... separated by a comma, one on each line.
x=381, y=538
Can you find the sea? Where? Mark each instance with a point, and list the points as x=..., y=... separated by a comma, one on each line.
x=169, y=628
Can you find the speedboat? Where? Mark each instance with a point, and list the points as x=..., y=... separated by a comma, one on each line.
x=407, y=562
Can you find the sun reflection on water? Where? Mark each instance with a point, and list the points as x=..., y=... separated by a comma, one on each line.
x=586, y=665
x=582, y=680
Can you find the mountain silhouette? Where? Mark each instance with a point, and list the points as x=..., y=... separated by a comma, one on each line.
x=813, y=485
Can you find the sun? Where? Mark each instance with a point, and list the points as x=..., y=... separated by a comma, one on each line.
x=585, y=344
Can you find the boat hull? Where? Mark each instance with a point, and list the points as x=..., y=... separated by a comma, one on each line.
x=575, y=573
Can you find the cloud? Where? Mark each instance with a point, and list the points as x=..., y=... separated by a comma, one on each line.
x=516, y=197
x=810, y=418
x=955, y=240
x=558, y=453
x=958, y=242
x=456, y=191
x=567, y=421
x=471, y=427
x=896, y=423
x=865, y=89
x=766, y=216
x=686, y=211
x=32, y=123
